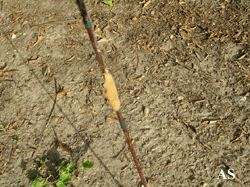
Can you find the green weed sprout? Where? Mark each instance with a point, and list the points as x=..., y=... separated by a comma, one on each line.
x=42, y=164
x=108, y=2
x=65, y=176
x=86, y=164
x=45, y=73
x=3, y=128
x=55, y=116
x=39, y=182
x=17, y=141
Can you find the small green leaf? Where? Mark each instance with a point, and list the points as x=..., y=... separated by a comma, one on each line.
x=71, y=166
x=45, y=73
x=64, y=177
x=3, y=128
x=46, y=160
x=42, y=163
x=55, y=116
x=123, y=110
x=60, y=184
x=108, y=2
x=87, y=164
x=68, y=179
x=61, y=165
x=39, y=168
x=34, y=183
x=75, y=171
x=38, y=182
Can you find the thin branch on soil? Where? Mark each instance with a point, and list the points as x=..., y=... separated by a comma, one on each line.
x=53, y=107
x=55, y=22
x=206, y=145
x=120, y=152
x=64, y=146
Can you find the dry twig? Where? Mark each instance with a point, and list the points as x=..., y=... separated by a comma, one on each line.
x=50, y=115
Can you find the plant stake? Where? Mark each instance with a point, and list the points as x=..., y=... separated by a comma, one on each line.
x=111, y=93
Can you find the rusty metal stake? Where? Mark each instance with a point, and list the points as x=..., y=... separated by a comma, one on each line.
x=88, y=26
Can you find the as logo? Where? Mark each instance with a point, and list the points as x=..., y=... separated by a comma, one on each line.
x=222, y=174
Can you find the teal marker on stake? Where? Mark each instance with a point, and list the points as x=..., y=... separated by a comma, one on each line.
x=123, y=125
x=88, y=24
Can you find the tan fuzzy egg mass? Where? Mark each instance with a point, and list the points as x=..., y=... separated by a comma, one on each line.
x=111, y=91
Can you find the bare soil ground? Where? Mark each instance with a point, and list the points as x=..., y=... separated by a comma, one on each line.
x=182, y=69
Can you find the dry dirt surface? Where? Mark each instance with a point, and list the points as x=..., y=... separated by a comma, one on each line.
x=182, y=70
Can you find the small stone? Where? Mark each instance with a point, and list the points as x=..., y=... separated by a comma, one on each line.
x=180, y=98
x=13, y=36
x=18, y=151
x=204, y=184
x=44, y=173
x=168, y=46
